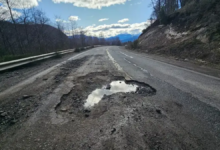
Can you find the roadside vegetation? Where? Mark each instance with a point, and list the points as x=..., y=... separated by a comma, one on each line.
x=12, y=57
x=132, y=45
x=185, y=29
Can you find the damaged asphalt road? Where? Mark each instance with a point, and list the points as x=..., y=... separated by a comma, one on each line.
x=106, y=99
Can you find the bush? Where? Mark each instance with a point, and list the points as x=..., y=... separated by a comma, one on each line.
x=12, y=57
x=83, y=48
x=163, y=17
x=77, y=50
x=57, y=55
x=135, y=44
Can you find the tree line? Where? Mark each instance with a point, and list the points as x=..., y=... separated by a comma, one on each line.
x=29, y=32
x=163, y=8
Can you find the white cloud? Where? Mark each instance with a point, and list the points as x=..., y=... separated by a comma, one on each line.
x=19, y=4
x=71, y=18
x=5, y=14
x=62, y=21
x=74, y=18
x=92, y=4
x=59, y=20
x=115, y=29
x=103, y=19
x=123, y=20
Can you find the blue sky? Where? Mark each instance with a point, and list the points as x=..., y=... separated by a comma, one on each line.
x=110, y=17
x=135, y=10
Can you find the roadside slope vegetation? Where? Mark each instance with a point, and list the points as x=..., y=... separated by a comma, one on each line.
x=192, y=32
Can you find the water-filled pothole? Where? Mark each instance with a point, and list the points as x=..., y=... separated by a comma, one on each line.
x=118, y=87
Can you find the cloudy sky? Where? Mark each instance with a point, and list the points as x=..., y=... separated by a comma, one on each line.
x=111, y=17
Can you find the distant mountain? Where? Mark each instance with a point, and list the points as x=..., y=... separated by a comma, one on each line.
x=126, y=37
x=122, y=37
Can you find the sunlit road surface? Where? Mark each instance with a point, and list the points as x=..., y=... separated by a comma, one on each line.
x=70, y=106
x=141, y=67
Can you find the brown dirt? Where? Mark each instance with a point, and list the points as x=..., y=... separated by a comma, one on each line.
x=198, y=27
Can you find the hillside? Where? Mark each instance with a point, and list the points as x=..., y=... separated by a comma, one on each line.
x=192, y=32
x=30, y=39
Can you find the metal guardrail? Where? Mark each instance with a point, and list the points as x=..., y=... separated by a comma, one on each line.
x=20, y=62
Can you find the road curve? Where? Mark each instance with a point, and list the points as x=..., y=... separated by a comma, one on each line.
x=139, y=66
x=47, y=110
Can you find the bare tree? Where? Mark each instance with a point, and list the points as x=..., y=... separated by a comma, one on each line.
x=95, y=40
x=26, y=20
x=6, y=45
x=102, y=38
x=40, y=22
x=73, y=27
x=9, y=4
x=90, y=39
x=82, y=36
x=59, y=24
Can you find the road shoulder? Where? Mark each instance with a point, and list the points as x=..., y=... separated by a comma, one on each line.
x=187, y=64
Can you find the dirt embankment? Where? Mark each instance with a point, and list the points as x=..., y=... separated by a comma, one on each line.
x=192, y=32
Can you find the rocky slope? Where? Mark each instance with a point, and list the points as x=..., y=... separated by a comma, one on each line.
x=192, y=32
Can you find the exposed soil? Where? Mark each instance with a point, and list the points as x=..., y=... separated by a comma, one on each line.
x=191, y=32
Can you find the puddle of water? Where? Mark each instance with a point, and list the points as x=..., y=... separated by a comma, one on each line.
x=116, y=87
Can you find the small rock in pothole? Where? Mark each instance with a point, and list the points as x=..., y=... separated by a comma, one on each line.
x=113, y=130
x=27, y=96
x=63, y=109
x=13, y=121
x=108, y=87
x=87, y=111
x=3, y=114
x=158, y=111
x=86, y=115
x=37, y=140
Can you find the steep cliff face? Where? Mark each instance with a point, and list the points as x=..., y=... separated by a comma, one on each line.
x=192, y=32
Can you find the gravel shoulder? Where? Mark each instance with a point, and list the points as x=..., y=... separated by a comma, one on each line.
x=12, y=77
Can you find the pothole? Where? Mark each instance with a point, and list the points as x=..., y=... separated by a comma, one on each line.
x=118, y=86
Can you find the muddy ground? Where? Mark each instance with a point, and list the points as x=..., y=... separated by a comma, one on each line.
x=50, y=113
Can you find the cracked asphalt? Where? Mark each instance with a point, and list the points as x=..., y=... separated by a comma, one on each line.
x=46, y=111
